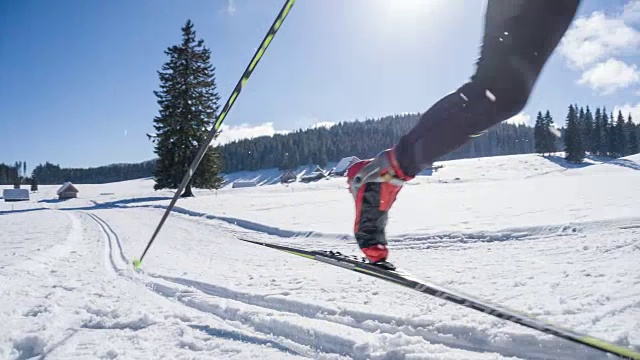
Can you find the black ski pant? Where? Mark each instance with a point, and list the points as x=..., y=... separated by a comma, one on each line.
x=519, y=37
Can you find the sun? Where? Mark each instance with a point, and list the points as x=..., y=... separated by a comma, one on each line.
x=409, y=8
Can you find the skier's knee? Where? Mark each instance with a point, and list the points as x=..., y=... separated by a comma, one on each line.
x=508, y=86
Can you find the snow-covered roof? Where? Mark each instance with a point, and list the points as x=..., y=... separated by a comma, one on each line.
x=15, y=194
x=68, y=186
x=344, y=163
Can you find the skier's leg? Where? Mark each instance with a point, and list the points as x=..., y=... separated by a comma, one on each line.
x=519, y=37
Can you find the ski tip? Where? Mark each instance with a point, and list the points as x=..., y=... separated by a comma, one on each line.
x=136, y=265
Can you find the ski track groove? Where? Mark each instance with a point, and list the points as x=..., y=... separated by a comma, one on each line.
x=464, y=337
x=290, y=341
x=109, y=244
x=308, y=339
x=406, y=241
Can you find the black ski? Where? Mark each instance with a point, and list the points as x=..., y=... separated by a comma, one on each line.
x=389, y=272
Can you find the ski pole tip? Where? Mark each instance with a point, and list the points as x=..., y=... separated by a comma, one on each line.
x=136, y=264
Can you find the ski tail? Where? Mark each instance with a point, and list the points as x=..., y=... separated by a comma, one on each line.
x=402, y=278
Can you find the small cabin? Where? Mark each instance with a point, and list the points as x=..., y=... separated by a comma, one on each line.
x=244, y=184
x=67, y=191
x=316, y=175
x=15, y=195
x=343, y=165
x=288, y=177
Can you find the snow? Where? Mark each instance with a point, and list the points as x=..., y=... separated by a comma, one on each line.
x=557, y=241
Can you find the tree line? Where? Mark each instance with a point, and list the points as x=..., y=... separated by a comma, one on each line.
x=586, y=132
x=52, y=174
x=363, y=139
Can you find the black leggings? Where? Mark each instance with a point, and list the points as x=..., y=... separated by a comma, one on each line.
x=519, y=37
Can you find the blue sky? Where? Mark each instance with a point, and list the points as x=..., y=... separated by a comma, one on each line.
x=78, y=76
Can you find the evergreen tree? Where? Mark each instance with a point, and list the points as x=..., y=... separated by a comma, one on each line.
x=611, y=133
x=34, y=184
x=604, y=142
x=587, y=129
x=548, y=134
x=632, y=137
x=619, y=134
x=573, y=145
x=188, y=104
x=596, y=135
x=538, y=134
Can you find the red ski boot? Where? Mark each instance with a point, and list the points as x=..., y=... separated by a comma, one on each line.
x=374, y=184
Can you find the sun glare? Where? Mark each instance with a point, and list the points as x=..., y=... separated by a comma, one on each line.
x=410, y=13
x=409, y=8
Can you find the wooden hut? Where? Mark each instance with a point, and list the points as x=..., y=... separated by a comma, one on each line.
x=288, y=177
x=67, y=191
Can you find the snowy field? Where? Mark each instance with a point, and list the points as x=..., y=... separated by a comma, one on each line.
x=558, y=242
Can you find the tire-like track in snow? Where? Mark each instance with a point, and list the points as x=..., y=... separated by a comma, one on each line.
x=301, y=328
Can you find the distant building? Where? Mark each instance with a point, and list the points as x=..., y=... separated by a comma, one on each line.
x=15, y=194
x=288, y=177
x=316, y=175
x=67, y=191
x=343, y=165
x=244, y=184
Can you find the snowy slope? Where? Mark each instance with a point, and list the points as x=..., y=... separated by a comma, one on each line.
x=269, y=176
x=537, y=235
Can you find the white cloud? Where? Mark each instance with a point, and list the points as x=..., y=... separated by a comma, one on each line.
x=325, y=124
x=521, y=118
x=627, y=109
x=231, y=7
x=592, y=38
x=631, y=12
x=610, y=76
x=245, y=131
x=594, y=43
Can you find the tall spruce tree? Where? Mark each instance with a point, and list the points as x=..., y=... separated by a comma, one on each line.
x=538, y=134
x=573, y=145
x=620, y=137
x=188, y=105
x=596, y=135
x=604, y=142
x=632, y=136
x=587, y=129
x=548, y=134
x=611, y=133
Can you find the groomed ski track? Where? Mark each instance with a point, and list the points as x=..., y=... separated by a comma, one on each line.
x=280, y=324
x=308, y=329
